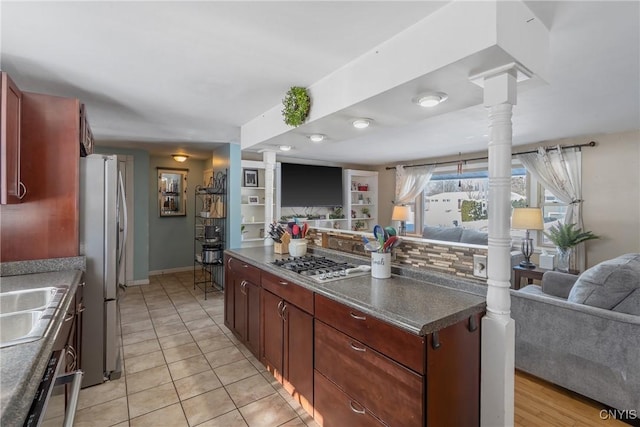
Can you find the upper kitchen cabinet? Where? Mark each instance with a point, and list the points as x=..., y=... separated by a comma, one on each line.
x=12, y=187
x=46, y=223
x=360, y=199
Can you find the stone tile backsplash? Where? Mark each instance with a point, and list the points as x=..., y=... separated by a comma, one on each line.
x=449, y=259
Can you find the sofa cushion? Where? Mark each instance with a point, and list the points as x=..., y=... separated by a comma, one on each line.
x=449, y=234
x=608, y=285
x=474, y=237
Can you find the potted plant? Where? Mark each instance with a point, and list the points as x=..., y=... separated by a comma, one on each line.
x=565, y=237
x=366, y=213
x=242, y=232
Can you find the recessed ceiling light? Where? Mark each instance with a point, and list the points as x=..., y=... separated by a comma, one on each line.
x=430, y=99
x=181, y=158
x=285, y=148
x=316, y=137
x=361, y=123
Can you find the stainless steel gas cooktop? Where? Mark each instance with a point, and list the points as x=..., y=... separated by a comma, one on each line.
x=322, y=269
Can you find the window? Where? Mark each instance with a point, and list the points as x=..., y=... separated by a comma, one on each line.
x=461, y=200
x=553, y=211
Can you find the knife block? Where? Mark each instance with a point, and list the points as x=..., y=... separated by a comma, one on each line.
x=283, y=247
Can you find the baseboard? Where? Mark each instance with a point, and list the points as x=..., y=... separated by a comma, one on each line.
x=138, y=282
x=170, y=270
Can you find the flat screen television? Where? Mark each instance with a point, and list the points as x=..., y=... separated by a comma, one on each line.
x=310, y=185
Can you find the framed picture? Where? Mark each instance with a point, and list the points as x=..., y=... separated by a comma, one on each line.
x=250, y=178
x=254, y=200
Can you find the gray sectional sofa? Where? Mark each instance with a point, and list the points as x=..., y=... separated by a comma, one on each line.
x=583, y=333
x=456, y=234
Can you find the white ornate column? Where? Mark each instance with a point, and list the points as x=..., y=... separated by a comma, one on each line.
x=498, y=328
x=269, y=159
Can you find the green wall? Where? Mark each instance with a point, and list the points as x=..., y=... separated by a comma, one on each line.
x=140, y=207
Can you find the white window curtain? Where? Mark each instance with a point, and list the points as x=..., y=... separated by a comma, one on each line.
x=560, y=172
x=411, y=181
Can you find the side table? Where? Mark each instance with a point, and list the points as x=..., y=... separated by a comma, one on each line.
x=530, y=274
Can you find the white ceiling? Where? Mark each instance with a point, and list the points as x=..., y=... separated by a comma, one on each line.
x=186, y=75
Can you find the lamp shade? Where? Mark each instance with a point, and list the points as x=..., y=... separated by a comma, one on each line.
x=401, y=213
x=527, y=219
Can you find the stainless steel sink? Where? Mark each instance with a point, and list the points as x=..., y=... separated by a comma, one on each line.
x=20, y=326
x=30, y=299
x=25, y=314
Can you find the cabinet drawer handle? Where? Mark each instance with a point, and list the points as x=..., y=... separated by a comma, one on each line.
x=69, y=316
x=435, y=341
x=280, y=306
x=81, y=307
x=22, y=190
x=356, y=410
x=355, y=316
x=473, y=324
x=283, y=283
x=245, y=266
x=356, y=348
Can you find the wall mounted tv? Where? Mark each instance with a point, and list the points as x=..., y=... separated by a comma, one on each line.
x=310, y=185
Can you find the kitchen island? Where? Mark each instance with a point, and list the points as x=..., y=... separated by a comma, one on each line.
x=359, y=350
x=23, y=365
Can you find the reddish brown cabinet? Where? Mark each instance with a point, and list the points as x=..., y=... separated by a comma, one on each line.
x=12, y=189
x=242, y=302
x=46, y=223
x=287, y=331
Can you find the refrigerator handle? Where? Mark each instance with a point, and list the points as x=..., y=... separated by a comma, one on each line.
x=124, y=215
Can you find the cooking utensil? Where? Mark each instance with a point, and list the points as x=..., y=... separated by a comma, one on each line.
x=388, y=244
x=372, y=246
x=295, y=231
x=305, y=228
x=390, y=231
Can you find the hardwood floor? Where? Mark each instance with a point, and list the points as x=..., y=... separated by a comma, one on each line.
x=540, y=403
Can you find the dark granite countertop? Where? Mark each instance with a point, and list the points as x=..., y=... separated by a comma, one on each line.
x=416, y=304
x=22, y=365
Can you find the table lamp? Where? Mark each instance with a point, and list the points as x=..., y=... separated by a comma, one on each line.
x=527, y=219
x=402, y=214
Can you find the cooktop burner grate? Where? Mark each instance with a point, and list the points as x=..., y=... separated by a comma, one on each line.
x=320, y=268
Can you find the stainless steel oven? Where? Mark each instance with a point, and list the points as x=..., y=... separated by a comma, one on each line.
x=56, y=399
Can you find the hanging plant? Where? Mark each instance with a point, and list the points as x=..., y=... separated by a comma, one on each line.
x=296, y=106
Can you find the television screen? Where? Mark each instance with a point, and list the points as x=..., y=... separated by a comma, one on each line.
x=309, y=185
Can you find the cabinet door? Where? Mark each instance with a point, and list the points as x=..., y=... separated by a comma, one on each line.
x=240, y=308
x=10, y=112
x=253, y=318
x=273, y=333
x=298, y=354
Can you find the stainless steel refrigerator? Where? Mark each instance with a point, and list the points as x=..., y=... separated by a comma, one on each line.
x=102, y=237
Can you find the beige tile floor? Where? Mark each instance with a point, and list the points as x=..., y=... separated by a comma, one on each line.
x=183, y=367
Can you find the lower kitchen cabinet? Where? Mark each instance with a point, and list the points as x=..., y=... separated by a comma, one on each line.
x=242, y=303
x=334, y=408
x=287, y=331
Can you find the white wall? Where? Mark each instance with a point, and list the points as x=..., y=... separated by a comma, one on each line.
x=610, y=189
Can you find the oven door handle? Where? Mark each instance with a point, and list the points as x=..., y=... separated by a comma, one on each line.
x=75, y=378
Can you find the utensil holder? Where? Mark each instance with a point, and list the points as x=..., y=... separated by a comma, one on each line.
x=381, y=265
x=283, y=247
x=298, y=247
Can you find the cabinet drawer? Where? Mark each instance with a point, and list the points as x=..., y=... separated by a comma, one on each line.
x=392, y=392
x=291, y=292
x=333, y=408
x=402, y=346
x=244, y=270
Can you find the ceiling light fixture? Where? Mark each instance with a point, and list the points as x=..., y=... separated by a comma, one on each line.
x=316, y=137
x=430, y=99
x=361, y=123
x=180, y=158
x=285, y=148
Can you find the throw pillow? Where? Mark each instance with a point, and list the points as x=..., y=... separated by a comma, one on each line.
x=608, y=284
